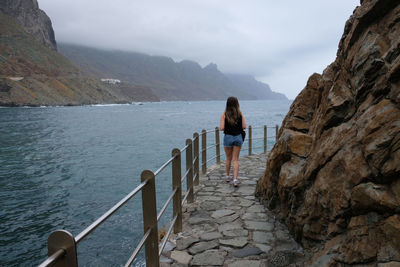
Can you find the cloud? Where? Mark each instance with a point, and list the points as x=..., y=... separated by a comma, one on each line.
x=272, y=40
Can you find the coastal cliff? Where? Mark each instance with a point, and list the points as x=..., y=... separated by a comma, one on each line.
x=170, y=80
x=33, y=73
x=334, y=174
x=34, y=20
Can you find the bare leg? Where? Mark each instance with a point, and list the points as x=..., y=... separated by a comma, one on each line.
x=235, y=158
x=228, y=153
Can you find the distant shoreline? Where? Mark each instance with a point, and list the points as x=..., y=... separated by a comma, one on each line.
x=14, y=105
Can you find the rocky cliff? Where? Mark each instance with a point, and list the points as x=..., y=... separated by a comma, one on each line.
x=334, y=174
x=31, y=18
x=33, y=74
x=170, y=80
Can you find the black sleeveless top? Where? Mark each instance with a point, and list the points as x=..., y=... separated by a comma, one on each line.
x=234, y=129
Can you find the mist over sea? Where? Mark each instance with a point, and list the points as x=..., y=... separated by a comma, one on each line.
x=63, y=167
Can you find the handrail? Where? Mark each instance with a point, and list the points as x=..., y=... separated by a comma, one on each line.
x=164, y=165
x=53, y=258
x=110, y=212
x=211, y=159
x=185, y=175
x=186, y=196
x=165, y=239
x=184, y=148
x=166, y=204
x=138, y=248
x=260, y=127
x=214, y=145
x=257, y=138
x=150, y=221
x=207, y=148
x=258, y=147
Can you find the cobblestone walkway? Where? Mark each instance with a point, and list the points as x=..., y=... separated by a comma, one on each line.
x=227, y=226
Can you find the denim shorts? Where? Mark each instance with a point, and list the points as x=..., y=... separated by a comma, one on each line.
x=233, y=140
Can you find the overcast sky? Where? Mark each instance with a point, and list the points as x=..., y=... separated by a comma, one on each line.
x=279, y=42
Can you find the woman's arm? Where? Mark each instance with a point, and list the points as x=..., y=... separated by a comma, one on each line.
x=222, y=122
x=243, y=122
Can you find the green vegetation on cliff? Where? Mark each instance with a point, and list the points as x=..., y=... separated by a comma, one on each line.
x=33, y=74
x=170, y=80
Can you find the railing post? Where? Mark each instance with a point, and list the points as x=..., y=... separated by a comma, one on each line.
x=203, y=151
x=62, y=239
x=276, y=132
x=176, y=184
x=217, y=147
x=150, y=218
x=265, y=139
x=189, y=169
x=197, y=158
x=250, y=140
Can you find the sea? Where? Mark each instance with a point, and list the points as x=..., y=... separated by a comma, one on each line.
x=63, y=167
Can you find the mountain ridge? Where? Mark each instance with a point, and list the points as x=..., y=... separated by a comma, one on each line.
x=32, y=74
x=170, y=80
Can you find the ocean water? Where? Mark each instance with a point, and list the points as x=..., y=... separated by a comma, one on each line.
x=63, y=167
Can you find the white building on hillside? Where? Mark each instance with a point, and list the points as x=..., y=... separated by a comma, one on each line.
x=112, y=81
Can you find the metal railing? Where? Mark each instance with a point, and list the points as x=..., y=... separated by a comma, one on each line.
x=249, y=140
x=62, y=245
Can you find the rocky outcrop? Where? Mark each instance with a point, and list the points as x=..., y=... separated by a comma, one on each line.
x=31, y=18
x=334, y=174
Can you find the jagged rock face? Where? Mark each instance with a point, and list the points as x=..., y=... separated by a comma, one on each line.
x=334, y=173
x=31, y=18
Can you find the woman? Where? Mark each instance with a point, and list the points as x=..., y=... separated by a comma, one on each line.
x=232, y=123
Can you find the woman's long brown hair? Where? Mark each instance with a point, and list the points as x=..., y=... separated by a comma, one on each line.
x=232, y=110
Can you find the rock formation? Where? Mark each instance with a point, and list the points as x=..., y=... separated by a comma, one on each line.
x=31, y=18
x=334, y=174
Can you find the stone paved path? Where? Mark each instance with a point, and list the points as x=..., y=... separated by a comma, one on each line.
x=227, y=226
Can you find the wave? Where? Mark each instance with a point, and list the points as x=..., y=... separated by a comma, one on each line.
x=109, y=105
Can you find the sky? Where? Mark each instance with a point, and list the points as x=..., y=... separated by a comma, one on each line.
x=280, y=43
